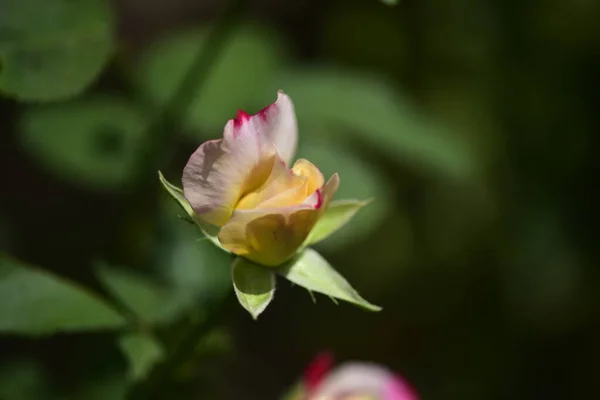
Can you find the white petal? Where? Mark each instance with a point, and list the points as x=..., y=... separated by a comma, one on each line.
x=220, y=172
x=275, y=124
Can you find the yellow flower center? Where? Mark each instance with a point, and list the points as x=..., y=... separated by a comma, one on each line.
x=283, y=187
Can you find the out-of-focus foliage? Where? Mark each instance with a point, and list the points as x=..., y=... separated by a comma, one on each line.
x=229, y=88
x=108, y=386
x=359, y=179
x=471, y=125
x=23, y=380
x=197, y=270
x=333, y=97
x=143, y=353
x=34, y=302
x=96, y=142
x=53, y=49
x=150, y=301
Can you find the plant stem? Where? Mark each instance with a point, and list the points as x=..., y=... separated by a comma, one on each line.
x=168, y=118
x=182, y=352
x=170, y=115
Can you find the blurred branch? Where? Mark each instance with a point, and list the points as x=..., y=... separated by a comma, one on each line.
x=182, y=352
x=167, y=119
x=159, y=130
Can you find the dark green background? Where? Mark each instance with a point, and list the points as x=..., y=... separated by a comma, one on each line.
x=480, y=244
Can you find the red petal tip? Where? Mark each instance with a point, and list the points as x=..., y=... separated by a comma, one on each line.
x=263, y=114
x=317, y=370
x=241, y=117
x=319, y=199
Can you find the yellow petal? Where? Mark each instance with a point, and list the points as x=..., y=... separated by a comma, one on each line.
x=314, y=177
x=284, y=187
x=281, y=180
x=271, y=236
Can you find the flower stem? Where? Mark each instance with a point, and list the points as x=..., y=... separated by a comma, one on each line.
x=168, y=118
x=182, y=352
x=160, y=130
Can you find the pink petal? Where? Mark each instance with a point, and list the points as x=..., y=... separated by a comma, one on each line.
x=274, y=124
x=317, y=370
x=363, y=379
x=220, y=172
x=398, y=389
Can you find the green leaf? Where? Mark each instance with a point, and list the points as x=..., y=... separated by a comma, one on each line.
x=35, y=302
x=359, y=179
x=177, y=195
x=143, y=352
x=296, y=392
x=311, y=271
x=197, y=270
x=390, y=2
x=211, y=232
x=246, y=63
x=146, y=298
x=367, y=107
x=96, y=142
x=111, y=386
x=337, y=215
x=53, y=49
x=254, y=285
x=23, y=380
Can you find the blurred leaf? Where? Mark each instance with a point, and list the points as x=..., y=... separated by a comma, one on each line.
x=150, y=301
x=209, y=231
x=390, y=2
x=35, y=302
x=366, y=106
x=143, y=352
x=4, y=234
x=311, y=271
x=23, y=380
x=337, y=215
x=94, y=142
x=109, y=387
x=198, y=271
x=254, y=286
x=358, y=180
x=193, y=270
x=219, y=340
x=297, y=392
x=246, y=64
x=52, y=49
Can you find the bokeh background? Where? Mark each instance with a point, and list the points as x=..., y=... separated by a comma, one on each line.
x=473, y=124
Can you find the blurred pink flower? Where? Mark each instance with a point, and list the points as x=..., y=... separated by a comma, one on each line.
x=352, y=381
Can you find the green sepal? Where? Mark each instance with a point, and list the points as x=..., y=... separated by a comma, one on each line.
x=254, y=285
x=210, y=231
x=311, y=271
x=338, y=214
